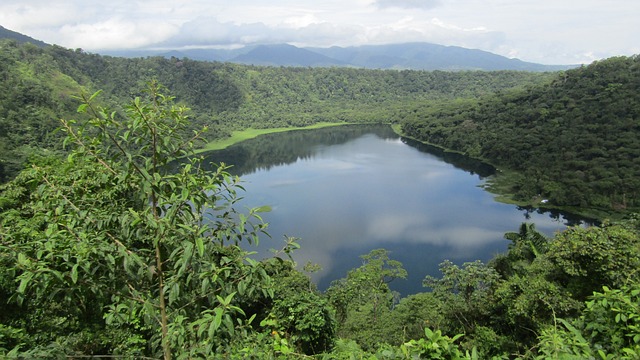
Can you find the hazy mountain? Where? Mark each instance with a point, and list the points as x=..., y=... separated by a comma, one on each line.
x=412, y=56
x=8, y=34
x=426, y=56
x=222, y=55
x=286, y=55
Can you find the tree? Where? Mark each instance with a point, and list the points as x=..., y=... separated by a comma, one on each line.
x=130, y=242
x=297, y=312
x=467, y=299
x=363, y=298
x=526, y=245
x=586, y=259
x=609, y=327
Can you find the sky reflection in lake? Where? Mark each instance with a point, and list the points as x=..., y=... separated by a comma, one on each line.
x=348, y=198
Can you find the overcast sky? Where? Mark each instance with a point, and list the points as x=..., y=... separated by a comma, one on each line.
x=542, y=31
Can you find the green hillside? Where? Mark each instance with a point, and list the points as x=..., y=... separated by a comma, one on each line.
x=574, y=141
x=38, y=84
x=34, y=94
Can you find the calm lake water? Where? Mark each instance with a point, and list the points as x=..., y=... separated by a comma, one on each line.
x=345, y=191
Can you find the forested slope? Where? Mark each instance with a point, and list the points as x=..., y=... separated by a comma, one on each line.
x=34, y=95
x=574, y=141
x=37, y=85
x=111, y=253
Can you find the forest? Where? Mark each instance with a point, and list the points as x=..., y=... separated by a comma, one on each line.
x=39, y=85
x=106, y=251
x=572, y=141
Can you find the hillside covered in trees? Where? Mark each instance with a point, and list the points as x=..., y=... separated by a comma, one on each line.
x=38, y=85
x=573, y=141
x=107, y=251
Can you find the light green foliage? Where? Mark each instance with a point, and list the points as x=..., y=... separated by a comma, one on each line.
x=564, y=342
x=433, y=345
x=590, y=258
x=609, y=328
x=467, y=292
x=526, y=301
x=130, y=243
x=297, y=313
x=612, y=320
x=412, y=315
x=527, y=297
x=468, y=300
x=363, y=299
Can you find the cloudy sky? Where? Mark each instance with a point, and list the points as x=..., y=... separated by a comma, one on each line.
x=542, y=31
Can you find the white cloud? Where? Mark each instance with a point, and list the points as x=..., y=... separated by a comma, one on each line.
x=209, y=31
x=408, y=4
x=418, y=229
x=115, y=33
x=547, y=31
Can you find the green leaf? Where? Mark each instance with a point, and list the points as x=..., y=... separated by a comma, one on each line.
x=24, y=281
x=242, y=287
x=174, y=293
x=22, y=259
x=264, y=208
x=74, y=273
x=95, y=94
x=200, y=245
x=217, y=320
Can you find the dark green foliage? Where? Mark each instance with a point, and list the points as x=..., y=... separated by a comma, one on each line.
x=574, y=141
x=612, y=319
x=587, y=259
x=363, y=299
x=115, y=251
x=467, y=299
x=297, y=311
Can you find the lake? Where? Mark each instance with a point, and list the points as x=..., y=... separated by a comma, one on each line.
x=347, y=190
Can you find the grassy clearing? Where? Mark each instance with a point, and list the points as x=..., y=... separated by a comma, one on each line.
x=238, y=136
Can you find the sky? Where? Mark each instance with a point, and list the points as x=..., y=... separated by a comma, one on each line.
x=541, y=31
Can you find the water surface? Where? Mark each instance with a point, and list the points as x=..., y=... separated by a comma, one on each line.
x=347, y=190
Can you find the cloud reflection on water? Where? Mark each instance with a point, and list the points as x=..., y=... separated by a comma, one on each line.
x=374, y=191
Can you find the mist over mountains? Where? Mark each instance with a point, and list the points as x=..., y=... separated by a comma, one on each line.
x=408, y=56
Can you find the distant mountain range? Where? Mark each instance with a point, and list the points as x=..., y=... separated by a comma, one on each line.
x=409, y=56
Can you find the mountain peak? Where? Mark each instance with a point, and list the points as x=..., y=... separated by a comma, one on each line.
x=285, y=55
x=405, y=56
x=20, y=38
